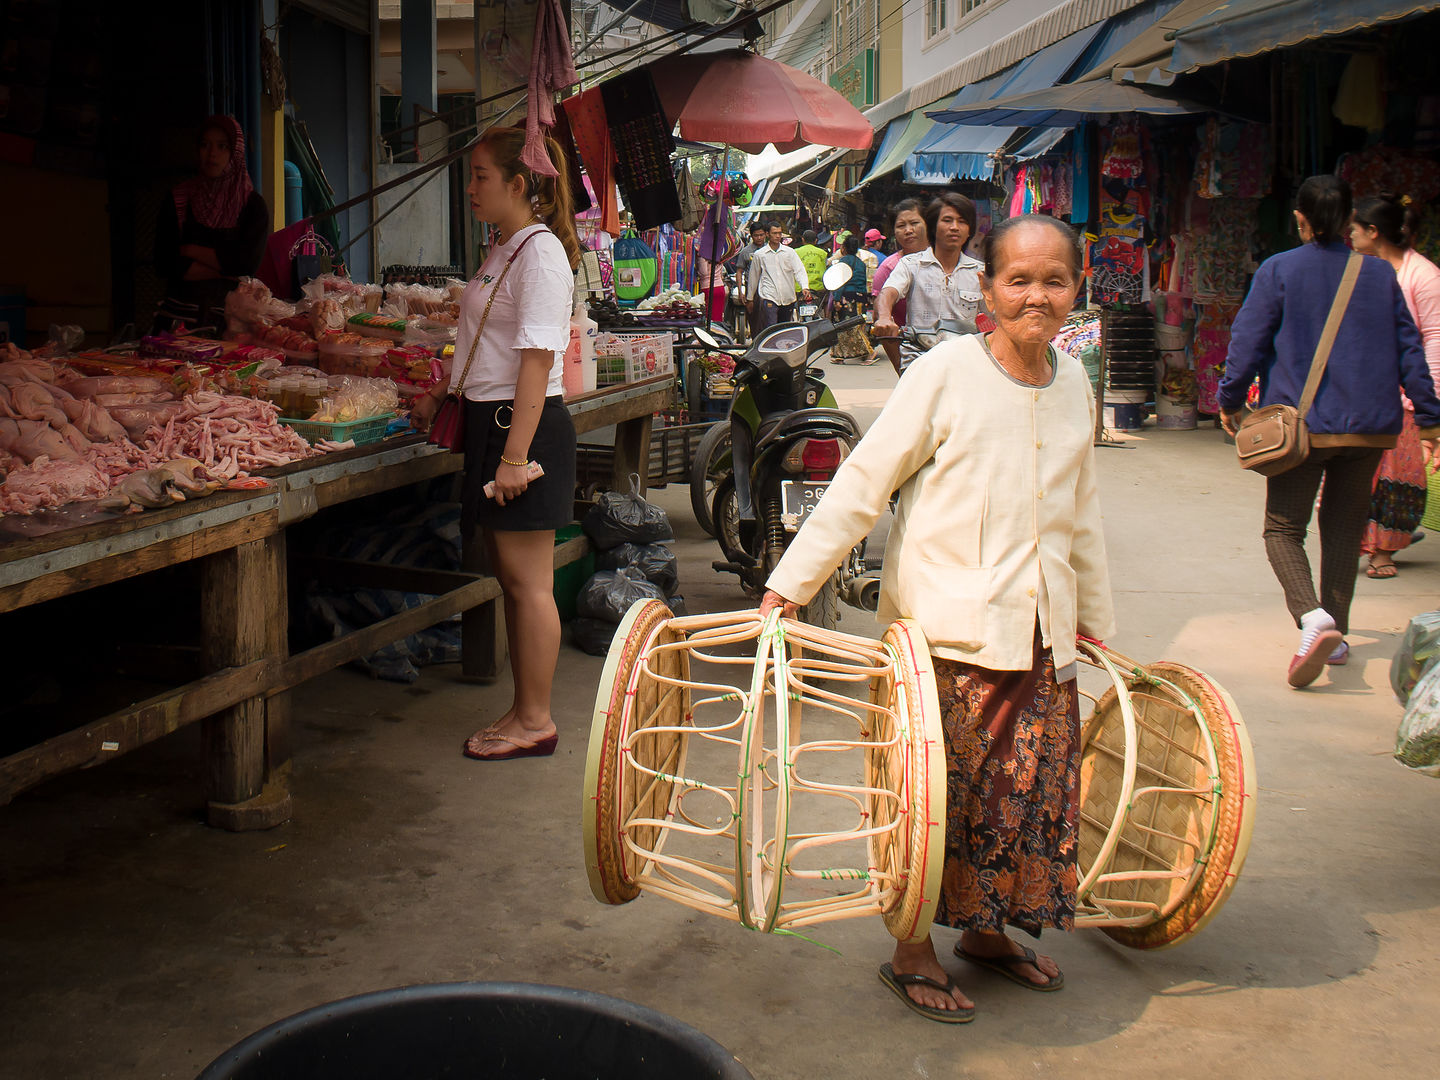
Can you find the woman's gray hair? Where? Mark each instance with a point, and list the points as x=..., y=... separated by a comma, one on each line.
x=995, y=239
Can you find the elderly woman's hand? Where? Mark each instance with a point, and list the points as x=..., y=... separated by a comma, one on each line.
x=772, y=599
x=1427, y=448
x=1230, y=421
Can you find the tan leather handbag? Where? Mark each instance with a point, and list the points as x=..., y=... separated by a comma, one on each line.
x=1274, y=439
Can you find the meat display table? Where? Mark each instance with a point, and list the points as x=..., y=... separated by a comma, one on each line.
x=239, y=539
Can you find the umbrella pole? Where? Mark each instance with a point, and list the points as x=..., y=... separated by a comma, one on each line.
x=716, y=228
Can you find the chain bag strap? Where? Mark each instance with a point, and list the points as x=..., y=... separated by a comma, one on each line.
x=448, y=430
x=1274, y=439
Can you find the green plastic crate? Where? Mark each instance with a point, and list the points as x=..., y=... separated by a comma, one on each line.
x=570, y=578
x=369, y=430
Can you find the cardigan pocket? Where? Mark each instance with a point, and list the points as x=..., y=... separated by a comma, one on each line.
x=948, y=601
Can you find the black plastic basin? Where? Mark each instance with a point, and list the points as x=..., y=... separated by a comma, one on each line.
x=498, y=1031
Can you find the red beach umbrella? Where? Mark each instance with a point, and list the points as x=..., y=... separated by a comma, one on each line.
x=743, y=100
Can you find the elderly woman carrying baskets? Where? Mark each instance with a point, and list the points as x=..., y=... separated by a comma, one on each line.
x=997, y=551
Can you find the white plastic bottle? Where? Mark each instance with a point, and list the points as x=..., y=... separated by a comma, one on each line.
x=588, y=328
x=572, y=373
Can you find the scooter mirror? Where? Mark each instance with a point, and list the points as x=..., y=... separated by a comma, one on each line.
x=837, y=275
x=706, y=338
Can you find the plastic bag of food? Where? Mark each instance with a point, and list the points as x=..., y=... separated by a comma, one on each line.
x=592, y=635
x=1418, y=650
x=609, y=593
x=1417, y=742
x=617, y=518
x=655, y=561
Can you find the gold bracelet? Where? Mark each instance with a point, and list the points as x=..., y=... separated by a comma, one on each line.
x=507, y=461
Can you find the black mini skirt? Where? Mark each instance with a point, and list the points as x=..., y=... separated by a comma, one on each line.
x=549, y=502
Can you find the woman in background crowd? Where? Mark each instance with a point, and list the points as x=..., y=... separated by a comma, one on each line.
x=1355, y=418
x=1383, y=226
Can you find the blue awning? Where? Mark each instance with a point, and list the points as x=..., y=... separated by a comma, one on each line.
x=961, y=150
x=1070, y=103
x=1247, y=27
x=901, y=137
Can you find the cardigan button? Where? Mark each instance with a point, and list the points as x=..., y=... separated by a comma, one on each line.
x=1039, y=494
x=1029, y=592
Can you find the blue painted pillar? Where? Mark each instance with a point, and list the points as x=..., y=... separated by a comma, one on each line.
x=417, y=61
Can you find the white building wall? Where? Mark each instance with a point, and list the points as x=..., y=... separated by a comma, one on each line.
x=965, y=33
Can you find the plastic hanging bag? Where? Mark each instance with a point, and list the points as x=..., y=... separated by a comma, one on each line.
x=1418, y=650
x=608, y=594
x=616, y=519
x=1417, y=742
x=655, y=561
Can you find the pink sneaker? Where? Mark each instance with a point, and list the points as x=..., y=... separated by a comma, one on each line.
x=1306, y=665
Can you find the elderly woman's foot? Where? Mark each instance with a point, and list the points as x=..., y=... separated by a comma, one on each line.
x=920, y=960
x=1011, y=959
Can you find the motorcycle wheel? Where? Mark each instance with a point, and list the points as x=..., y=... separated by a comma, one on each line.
x=823, y=610
x=706, y=472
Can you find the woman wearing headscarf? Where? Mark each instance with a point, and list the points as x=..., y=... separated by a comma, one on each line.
x=211, y=229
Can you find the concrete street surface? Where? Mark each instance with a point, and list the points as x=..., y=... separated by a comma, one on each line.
x=136, y=942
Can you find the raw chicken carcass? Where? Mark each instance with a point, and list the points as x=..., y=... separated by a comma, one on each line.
x=30, y=439
x=32, y=400
x=138, y=419
x=120, y=384
x=94, y=422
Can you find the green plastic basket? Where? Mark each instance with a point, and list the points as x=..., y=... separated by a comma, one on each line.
x=1431, y=518
x=369, y=430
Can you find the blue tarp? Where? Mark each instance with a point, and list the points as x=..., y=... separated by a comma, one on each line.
x=1247, y=27
x=965, y=151
x=1066, y=105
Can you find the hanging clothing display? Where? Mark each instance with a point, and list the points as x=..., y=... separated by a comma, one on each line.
x=1119, y=264
x=1212, y=343
x=1124, y=157
x=638, y=123
x=591, y=132
x=1234, y=160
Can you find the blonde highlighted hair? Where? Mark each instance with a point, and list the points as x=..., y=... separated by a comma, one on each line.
x=553, y=201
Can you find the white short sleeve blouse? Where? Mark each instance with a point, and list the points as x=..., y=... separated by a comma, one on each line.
x=531, y=311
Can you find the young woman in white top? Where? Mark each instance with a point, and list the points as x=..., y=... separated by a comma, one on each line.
x=519, y=305
x=939, y=283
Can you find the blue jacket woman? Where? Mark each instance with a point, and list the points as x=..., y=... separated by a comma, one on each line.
x=1356, y=416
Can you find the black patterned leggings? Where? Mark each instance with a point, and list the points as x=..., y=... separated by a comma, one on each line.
x=1348, y=473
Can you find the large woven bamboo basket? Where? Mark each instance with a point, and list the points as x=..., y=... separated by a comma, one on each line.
x=716, y=774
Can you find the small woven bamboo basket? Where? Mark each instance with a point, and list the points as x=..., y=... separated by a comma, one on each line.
x=699, y=786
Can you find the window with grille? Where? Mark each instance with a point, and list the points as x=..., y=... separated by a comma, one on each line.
x=937, y=16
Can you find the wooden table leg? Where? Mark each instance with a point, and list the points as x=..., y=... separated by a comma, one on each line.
x=482, y=629
x=632, y=452
x=240, y=597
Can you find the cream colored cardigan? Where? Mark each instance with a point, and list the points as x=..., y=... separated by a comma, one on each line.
x=998, y=519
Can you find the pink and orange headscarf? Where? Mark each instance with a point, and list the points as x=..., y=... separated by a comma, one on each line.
x=217, y=203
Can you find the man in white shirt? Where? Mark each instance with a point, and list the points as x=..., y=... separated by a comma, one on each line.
x=777, y=277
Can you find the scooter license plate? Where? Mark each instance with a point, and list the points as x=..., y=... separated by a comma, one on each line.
x=797, y=499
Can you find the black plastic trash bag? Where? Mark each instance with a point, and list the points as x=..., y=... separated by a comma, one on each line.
x=676, y=604
x=617, y=518
x=592, y=635
x=656, y=561
x=609, y=594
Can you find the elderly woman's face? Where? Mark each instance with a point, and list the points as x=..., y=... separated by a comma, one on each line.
x=1034, y=286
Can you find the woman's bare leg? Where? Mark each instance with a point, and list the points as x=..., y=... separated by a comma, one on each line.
x=524, y=563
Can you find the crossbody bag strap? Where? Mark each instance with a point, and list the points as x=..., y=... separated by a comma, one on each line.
x=1327, y=337
x=485, y=315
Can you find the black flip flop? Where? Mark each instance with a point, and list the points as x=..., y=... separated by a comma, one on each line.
x=1006, y=965
x=898, y=983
